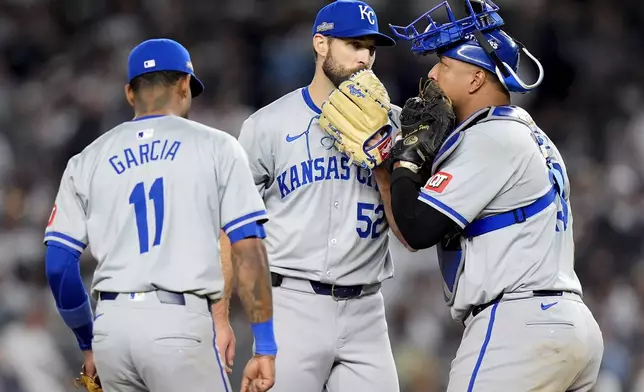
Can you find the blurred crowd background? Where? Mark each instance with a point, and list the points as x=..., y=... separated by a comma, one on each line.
x=62, y=72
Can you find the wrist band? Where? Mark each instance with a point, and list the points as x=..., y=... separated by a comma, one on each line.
x=264, y=338
x=409, y=165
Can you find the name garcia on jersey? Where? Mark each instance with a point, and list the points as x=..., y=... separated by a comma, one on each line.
x=155, y=150
x=321, y=169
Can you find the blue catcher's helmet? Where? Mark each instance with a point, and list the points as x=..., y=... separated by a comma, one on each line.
x=476, y=39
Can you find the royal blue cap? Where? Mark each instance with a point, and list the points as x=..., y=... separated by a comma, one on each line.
x=162, y=54
x=350, y=19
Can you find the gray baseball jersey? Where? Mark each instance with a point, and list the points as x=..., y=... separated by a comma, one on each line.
x=150, y=196
x=327, y=217
x=327, y=224
x=498, y=166
x=505, y=184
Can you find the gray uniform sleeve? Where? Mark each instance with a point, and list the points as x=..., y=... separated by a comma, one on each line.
x=258, y=148
x=240, y=204
x=67, y=224
x=469, y=179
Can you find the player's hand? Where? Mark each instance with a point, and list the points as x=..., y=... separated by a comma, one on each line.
x=225, y=340
x=88, y=363
x=376, y=138
x=259, y=374
x=88, y=378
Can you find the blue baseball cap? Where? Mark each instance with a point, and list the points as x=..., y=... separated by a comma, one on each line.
x=350, y=19
x=162, y=54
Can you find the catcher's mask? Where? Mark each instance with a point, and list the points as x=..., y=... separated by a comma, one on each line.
x=476, y=39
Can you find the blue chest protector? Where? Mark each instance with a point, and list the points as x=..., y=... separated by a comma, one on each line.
x=450, y=254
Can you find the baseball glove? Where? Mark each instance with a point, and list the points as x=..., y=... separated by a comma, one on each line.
x=356, y=117
x=92, y=384
x=426, y=122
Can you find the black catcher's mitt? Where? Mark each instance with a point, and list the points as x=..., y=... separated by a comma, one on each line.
x=426, y=121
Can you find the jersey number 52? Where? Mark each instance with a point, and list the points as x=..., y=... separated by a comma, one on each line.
x=140, y=201
x=367, y=227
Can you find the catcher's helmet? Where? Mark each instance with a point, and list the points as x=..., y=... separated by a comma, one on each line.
x=476, y=39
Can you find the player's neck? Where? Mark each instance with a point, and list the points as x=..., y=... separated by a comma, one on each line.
x=320, y=88
x=159, y=112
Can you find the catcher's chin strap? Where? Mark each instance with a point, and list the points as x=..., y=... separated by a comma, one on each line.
x=505, y=74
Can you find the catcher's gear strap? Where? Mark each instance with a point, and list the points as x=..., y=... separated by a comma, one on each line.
x=421, y=225
x=510, y=112
x=505, y=219
x=519, y=215
x=491, y=53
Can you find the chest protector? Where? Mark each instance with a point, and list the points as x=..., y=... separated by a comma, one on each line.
x=451, y=257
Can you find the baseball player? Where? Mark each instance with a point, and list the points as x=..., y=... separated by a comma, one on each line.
x=150, y=198
x=498, y=207
x=327, y=239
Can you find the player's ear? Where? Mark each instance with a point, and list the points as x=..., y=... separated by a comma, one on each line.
x=478, y=78
x=321, y=44
x=184, y=87
x=129, y=94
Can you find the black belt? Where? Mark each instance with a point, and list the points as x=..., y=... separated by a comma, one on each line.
x=165, y=297
x=474, y=310
x=335, y=291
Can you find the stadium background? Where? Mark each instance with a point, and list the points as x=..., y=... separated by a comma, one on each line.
x=62, y=71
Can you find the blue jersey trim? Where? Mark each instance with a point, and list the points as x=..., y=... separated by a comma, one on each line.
x=249, y=230
x=444, y=207
x=309, y=100
x=488, y=335
x=243, y=218
x=147, y=117
x=67, y=238
x=66, y=247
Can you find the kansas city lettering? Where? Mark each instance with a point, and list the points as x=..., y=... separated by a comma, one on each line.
x=157, y=150
x=321, y=169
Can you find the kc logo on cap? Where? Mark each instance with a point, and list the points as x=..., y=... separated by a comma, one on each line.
x=366, y=11
x=350, y=19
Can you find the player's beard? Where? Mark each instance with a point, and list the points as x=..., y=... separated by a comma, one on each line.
x=335, y=72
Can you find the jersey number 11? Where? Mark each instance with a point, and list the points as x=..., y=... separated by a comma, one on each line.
x=140, y=202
